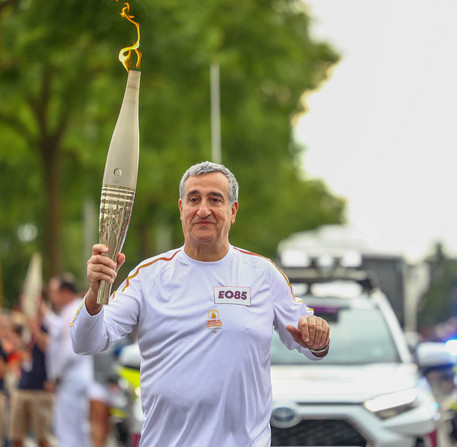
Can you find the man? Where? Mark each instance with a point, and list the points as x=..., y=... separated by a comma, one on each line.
x=69, y=374
x=204, y=315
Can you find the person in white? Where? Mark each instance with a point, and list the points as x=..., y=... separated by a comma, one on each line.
x=69, y=374
x=205, y=315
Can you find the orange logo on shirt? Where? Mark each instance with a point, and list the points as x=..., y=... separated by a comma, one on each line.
x=214, y=323
x=213, y=314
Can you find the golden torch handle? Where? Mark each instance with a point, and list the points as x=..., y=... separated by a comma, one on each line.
x=115, y=210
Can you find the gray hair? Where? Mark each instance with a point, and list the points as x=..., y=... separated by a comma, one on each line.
x=208, y=167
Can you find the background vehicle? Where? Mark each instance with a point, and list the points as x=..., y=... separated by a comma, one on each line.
x=437, y=361
x=131, y=418
x=402, y=282
x=368, y=391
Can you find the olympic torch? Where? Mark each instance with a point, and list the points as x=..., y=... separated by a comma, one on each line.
x=33, y=284
x=31, y=293
x=121, y=168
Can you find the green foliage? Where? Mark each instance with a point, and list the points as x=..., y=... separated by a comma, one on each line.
x=439, y=303
x=61, y=88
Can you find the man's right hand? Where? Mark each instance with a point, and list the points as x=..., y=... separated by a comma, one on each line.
x=100, y=267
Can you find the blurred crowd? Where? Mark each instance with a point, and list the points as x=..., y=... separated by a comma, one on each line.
x=440, y=332
x=50, y=396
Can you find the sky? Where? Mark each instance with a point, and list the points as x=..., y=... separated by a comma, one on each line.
x=382, y=131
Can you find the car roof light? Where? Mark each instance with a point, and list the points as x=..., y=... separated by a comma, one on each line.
x=303, y=275
x=326, y=261
x=293, y=257
x=351, y=259
x=341, y=289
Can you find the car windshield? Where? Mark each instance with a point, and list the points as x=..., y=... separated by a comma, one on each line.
x=359, y=336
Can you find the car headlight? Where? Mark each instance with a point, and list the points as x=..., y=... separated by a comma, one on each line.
x=389, y=405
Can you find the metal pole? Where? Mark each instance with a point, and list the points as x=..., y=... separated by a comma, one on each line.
x=216, y=153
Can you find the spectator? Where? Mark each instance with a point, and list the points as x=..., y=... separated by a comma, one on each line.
x=69, y=374
x=10, y=351
x=31, y=403
x=105, y=395
x=3, y=358
x=101, y=396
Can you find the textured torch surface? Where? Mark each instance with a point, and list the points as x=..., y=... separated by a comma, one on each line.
x=115, y=211
x=120, y=176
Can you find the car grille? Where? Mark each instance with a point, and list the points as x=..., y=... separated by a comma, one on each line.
x=316, y=432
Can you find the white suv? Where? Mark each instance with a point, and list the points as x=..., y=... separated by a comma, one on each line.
x=368, y=391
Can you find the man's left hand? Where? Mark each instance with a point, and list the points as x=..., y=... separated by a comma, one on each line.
x=311, y=332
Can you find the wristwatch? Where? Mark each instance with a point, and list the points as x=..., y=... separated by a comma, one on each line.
x=319, y=350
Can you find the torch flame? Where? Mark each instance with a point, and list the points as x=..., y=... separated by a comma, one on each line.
x=125, y=53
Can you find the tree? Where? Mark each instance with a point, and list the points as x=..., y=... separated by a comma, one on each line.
x=60, y=92
x=439, y=303
x=48, y=73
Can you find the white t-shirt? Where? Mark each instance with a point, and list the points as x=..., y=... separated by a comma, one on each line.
x=75, y=372
x=204, y=333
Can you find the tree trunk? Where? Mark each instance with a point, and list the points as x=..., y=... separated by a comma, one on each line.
x=53, y=214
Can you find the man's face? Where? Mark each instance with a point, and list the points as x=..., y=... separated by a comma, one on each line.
x=55, y=294
x=206, y=214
